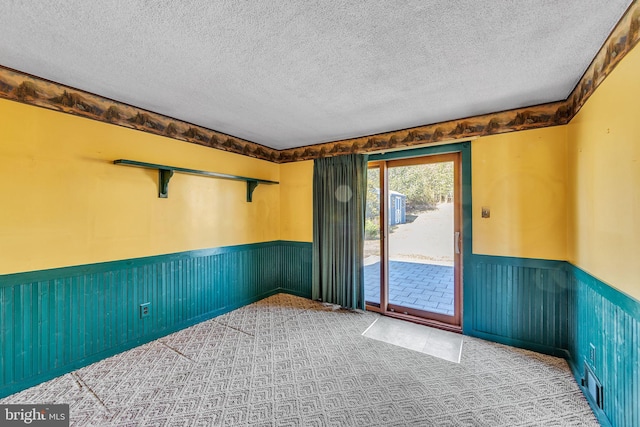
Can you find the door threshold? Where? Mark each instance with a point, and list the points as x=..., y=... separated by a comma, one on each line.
x=416, y=319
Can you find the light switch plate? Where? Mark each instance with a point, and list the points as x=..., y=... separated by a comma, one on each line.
x=486, y=212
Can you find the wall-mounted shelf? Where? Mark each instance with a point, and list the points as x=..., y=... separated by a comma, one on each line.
x=166, y=172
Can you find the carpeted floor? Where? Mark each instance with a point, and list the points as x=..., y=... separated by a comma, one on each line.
x=288, y=361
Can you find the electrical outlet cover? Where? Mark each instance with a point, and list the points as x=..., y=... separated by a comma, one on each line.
x=145, y=310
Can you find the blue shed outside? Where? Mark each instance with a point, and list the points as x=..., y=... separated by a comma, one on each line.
x=397, y=208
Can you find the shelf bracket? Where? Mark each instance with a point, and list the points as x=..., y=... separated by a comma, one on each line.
x=166, y=172
x=164, y=176
x=251, y=185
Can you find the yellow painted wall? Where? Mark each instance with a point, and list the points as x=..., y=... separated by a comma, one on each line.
x=568, y=192
x=604, y=180
x=521, y=177
x=64, y=202
x=296, y=201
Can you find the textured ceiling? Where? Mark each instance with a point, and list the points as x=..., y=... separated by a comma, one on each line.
x=293, y=73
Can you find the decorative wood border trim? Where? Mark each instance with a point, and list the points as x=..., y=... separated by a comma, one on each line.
x=28, y=89
x=21, y=87
x=621, y=41
x=534, y=117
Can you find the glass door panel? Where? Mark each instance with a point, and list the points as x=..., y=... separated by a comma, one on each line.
x=421, y=238
x=372, y=236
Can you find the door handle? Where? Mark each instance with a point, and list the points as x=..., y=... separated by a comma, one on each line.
x=456, y=242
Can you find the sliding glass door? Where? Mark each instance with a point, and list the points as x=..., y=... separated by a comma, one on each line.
x=413, y=238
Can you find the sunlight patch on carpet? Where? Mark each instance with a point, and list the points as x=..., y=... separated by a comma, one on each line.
x=434, y=342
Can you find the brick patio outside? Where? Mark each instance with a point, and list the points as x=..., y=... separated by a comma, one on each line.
x=415, y=285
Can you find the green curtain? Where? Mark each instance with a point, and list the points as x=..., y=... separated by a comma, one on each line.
x=339, y=197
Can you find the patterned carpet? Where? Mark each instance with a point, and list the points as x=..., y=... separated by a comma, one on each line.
x=288, y=361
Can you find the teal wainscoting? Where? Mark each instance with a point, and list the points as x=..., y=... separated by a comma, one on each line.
x=609, y=320
x=519, y=302
x=54, y=321
x=555, y=308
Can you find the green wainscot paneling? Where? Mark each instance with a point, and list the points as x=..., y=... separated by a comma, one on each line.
x=555, y=308
x=519, y=302
x=604, y=333
x=54, y=321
